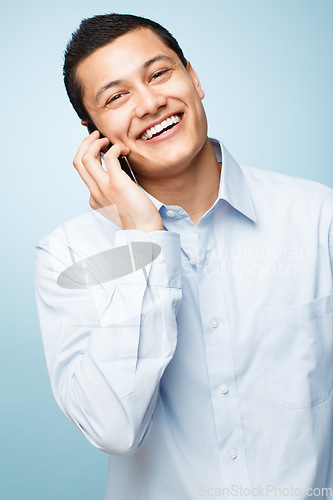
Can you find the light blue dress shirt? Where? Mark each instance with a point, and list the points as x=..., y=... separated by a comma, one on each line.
x=216, y=379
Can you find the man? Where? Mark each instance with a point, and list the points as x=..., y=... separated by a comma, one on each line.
x=187, y=319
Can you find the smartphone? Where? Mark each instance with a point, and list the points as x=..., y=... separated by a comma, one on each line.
x=122, y=159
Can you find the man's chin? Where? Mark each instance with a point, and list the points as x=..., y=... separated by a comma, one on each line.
x=167, y=155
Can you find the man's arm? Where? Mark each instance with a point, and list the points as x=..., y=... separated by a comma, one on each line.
x=107, y=347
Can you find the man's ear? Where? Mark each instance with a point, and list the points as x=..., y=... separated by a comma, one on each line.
x=195, y=80
x=90, y=125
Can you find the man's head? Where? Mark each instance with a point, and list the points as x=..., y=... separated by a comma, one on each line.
x=96, y=32
x=124, y=75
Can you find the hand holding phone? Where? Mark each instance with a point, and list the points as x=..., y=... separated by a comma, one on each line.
x=122, y=159
x=113, y=192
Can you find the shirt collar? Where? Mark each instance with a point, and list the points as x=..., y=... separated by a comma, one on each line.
x=233, y=187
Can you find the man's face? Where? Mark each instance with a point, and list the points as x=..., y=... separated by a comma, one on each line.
x=136, y=83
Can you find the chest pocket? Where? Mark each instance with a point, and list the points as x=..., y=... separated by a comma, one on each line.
x=296, y=346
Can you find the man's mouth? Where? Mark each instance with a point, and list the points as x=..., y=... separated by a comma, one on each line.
x=160, y=128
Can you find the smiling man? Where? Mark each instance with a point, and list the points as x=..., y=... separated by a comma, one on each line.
x=140, y=95
x=203, y=367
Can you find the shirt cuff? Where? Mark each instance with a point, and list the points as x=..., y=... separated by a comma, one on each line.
x=155, y=256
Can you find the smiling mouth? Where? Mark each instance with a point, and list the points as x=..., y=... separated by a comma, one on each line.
x=162, y=127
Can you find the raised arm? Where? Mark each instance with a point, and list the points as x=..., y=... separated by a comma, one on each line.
x=108, y=341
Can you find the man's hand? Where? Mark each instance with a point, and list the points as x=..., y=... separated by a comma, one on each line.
x=113, y=193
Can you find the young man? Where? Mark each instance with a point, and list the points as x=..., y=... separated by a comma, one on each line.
x=187, y=319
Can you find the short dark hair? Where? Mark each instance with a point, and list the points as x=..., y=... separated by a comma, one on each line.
x=96, y=32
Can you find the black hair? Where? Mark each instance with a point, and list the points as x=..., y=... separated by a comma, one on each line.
x=96, y=32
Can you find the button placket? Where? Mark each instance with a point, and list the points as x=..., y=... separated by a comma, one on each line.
x=212, y=288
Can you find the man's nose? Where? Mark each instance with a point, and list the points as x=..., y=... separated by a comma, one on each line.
x=148, y=101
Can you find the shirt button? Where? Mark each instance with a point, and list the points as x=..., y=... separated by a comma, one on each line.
x=161, y=258
x=214, y=323
x=232, y=454
x=193, y=261
x=223, y=389
x=170, y=213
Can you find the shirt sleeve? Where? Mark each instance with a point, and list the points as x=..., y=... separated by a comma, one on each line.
x=108, y=345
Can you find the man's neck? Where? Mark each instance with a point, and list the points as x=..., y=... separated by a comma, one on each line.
x=195, y=189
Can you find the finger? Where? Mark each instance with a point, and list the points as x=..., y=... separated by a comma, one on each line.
x=77, y=162
x=87, y=178
x=95, y=147
x=111, y=158
x=91, y=160
x=86, y=142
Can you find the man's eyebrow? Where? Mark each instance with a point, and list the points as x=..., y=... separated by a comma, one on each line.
x=157, y=58
x=144, y=66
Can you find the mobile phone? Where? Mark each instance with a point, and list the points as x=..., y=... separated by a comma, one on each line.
x=122, y=159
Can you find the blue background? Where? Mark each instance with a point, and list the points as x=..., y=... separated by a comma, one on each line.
x=266, y=68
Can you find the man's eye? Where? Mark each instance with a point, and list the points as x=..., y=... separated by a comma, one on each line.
x=160, y=73
x=114, y=98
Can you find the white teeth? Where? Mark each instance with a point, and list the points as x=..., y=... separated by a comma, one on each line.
x=150, y=132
